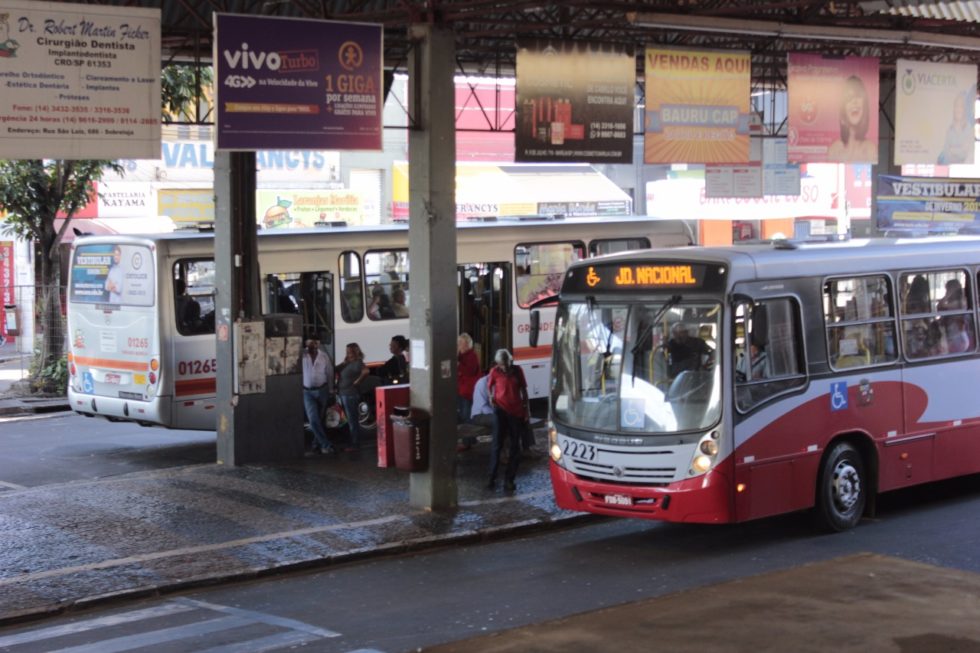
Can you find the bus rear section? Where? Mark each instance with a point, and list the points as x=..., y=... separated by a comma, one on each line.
x=637, y=411
x=114, y=340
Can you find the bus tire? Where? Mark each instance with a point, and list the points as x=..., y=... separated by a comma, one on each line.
x=841, y=489
x=365, y=416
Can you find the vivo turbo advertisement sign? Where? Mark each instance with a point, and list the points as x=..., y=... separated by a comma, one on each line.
x=284, y=84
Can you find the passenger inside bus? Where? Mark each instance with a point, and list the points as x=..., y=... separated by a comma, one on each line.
x=752, y=365
x=917, y=300
x=188, y=310
x=685, y=352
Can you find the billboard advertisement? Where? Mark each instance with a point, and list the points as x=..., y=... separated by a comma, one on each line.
x=922, y=205
x=833, y=109
x=574, y=103
x=697, y=106
x=79, y=81
x=935, y=106
x=296, y=84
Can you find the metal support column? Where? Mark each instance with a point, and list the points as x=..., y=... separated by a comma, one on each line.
x=236, y=298
x=432, y=251
x=886, y=143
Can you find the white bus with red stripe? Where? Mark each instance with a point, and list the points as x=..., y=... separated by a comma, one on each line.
x=148, y=353
x=829, y=373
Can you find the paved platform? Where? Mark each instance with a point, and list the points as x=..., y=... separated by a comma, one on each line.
x=75, y=544
x=862, y=604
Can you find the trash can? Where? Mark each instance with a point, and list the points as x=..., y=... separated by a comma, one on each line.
x=411, y=439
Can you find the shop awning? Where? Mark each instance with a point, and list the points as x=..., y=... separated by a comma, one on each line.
x=484, y=190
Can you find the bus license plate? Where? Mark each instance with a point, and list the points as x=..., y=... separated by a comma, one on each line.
x=113, y=378
x=618, y=500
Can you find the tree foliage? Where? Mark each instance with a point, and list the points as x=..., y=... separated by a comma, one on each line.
x=183, y=90
x=32, y=192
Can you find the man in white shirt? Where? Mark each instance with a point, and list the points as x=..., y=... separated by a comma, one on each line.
x=317, y=388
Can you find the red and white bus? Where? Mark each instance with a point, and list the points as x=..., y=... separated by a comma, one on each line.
x=719, y=385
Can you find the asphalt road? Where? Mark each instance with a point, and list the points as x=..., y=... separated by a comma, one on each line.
x=409, y=602
x=66, y=447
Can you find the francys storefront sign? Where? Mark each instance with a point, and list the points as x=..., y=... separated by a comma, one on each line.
x=928, y=205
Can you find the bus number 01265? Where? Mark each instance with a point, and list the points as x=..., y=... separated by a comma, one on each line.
x=186, y=368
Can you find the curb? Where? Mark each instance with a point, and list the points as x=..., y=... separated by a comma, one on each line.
x=39, y=406
x=427, y=543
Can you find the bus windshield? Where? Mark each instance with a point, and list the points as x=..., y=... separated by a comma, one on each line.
x=648, y=367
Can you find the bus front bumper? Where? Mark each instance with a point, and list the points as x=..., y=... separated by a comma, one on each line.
x=705, y=499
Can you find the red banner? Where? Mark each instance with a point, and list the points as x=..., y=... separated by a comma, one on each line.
x=6, y=281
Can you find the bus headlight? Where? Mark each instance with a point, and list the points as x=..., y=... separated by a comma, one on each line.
x=553, y=447
x=704, y=456
x=701, y=464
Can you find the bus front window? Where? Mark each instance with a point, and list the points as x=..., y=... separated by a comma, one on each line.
x=643, y=368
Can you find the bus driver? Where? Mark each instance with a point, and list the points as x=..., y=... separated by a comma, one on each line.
x=684, y=351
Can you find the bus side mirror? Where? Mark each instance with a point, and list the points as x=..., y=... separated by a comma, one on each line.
x=532, y=335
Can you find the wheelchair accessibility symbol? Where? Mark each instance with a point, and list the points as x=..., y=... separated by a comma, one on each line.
x=632, y=415
x=838, y=396
x=88, y=383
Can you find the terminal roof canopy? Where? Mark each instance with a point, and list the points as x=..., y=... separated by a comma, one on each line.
x=488, y=30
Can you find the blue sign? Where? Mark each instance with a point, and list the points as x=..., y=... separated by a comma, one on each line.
x=923, y=205
x=632, y=413
x=88, y=383
x=838, y=396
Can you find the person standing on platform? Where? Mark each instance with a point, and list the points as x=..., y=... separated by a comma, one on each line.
x=317, y=391
x=508, y=395
x=352, y=373
x=467, y=373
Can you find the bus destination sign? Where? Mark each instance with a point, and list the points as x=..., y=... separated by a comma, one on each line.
x=660, y=275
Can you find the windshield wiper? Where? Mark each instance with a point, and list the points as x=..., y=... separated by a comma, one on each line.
x=667, y=305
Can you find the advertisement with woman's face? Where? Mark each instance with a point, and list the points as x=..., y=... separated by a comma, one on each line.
x=833, y=109
x=935, y=106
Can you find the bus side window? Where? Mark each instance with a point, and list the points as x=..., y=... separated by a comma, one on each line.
x=351, y=287
x=540, y=268
x=386, y=278
x=937, y=315
x=768, y=350
x=194, y=296
x=860, y=319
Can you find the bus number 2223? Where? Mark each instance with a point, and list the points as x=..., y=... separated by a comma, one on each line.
x=579, y=450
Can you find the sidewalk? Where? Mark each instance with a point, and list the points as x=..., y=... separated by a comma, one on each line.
x=14, y=401
x=75, y=544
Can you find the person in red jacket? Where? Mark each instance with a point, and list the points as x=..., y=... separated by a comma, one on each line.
x=508, y=395
x=467, y=374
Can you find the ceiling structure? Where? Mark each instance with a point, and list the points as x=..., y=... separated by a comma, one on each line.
x=487, y=31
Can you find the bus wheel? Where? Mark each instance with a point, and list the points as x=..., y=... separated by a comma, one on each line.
x=842, y=488
x=366, y=416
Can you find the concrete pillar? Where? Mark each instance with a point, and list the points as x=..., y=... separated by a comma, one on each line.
x=236, y=297
x=432, y=252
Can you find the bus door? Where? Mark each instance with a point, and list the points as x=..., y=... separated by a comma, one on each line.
x=773, y=419
x=309, y=294
x=484, y=306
